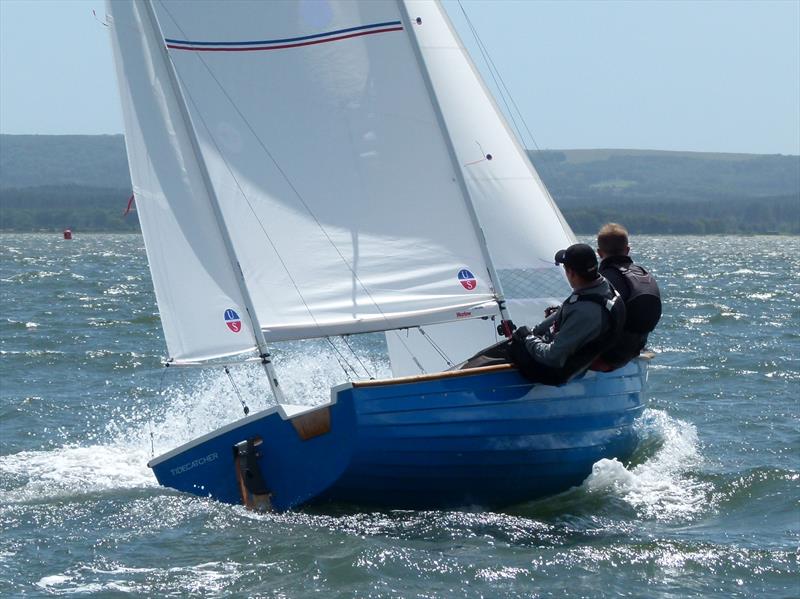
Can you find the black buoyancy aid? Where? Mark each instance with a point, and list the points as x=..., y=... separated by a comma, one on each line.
x=643, y=306
x=613, y=314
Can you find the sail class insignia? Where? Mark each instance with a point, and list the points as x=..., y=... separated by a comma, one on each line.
x=467, y=279
x=232, y=320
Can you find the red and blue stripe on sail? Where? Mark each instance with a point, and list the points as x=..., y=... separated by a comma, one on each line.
x=291, y=42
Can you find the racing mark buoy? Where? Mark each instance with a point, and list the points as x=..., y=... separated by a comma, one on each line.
x=67, y=233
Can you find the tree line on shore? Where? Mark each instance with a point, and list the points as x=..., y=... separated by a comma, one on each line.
x=48, y=183
x=102, y=210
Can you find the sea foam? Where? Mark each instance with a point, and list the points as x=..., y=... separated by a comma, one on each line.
x=661, y=487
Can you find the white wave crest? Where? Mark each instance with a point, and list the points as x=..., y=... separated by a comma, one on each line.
x=70, y=471
x=190, y=405
x=663, y=486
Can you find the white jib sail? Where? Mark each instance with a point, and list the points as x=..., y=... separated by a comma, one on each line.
x=331, y=169
x=522, y=225
x=199, y=299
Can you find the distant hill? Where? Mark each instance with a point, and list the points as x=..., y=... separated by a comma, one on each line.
x=577, y=176
x=49, y=182
x=674, y=192
x=81, y=160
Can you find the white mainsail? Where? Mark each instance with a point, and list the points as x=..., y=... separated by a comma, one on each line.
x=334, y=181
x=194, y=284
x=522, y=225
x=322, y=146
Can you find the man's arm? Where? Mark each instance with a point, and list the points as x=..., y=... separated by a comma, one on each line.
x=579, y=325
x=544, y=326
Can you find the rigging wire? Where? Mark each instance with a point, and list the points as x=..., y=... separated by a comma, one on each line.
x=152, y=442
x=492, y=71
x=502, y=86
x=342, y=360
x=414, y=358
x=436, y=347
x=150, y=420
x=357, y=357
x=236, y=390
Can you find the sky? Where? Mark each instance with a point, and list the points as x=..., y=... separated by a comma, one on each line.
x=714, y=76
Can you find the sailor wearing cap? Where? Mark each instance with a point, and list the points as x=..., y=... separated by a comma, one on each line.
x=589, y=321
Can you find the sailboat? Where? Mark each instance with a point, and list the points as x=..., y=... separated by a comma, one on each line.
x=314, y=169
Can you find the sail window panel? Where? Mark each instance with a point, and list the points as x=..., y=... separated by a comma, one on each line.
x=192, y=277
x=332, y=172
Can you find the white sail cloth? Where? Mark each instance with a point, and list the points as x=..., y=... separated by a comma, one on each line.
x=192, y=275
x=325, y=156
x=521, y=223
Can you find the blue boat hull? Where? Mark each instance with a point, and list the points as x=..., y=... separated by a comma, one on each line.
x=483, y=438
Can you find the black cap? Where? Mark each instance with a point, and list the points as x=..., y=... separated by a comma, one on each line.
x=579, y=257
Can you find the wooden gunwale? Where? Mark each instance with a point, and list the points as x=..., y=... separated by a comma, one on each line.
x=418, y=378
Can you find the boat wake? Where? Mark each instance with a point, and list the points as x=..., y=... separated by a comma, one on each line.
x=659, y=484
x=32, y=476
x=190, y=405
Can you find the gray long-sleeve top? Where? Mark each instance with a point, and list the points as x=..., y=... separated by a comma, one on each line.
x=579, y=323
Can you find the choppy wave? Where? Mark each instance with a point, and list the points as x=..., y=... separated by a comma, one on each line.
x=210, y=399
x=663, y=485
x=706, y=507
x=72, y=471
x=660, y=487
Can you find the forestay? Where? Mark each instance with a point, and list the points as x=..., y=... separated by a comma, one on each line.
x=522, y=225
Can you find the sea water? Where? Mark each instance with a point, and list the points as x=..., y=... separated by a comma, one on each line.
x=708, y=506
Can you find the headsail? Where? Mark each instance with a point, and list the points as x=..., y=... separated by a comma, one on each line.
x=522, y=225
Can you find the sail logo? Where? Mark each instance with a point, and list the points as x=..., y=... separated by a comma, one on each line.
x=467, y=279
x=232, y=320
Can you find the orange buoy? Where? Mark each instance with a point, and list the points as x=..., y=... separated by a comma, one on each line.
x=67, y=233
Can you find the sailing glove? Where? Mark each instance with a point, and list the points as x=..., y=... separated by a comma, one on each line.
x=521, y=334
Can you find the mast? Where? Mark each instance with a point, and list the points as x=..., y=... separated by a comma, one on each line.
x=258, y=334
x=473, y=215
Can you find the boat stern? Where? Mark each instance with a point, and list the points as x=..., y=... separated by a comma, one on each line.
x=274, y=459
